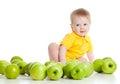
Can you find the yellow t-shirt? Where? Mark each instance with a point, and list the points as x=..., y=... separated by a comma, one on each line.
x=76, y=46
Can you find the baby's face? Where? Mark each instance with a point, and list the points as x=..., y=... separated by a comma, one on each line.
x=80, y=25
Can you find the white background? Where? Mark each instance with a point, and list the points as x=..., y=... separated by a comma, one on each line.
x=28, y=26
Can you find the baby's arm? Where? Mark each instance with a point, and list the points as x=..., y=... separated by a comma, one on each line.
x=62, y=54
x=90, y=56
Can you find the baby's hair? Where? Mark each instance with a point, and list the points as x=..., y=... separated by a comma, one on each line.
x=80, y=12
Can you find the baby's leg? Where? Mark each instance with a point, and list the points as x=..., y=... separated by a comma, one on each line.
x=82, y=59
x=53, y=52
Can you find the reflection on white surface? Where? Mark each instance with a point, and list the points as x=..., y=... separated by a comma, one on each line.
x=95, y=78
x=104, y=78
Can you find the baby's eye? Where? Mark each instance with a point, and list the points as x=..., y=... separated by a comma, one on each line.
x=85, y=24
x=77, y=24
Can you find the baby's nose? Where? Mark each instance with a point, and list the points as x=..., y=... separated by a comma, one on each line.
x=82, y=28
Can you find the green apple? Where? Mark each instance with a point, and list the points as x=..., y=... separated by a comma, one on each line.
x=18, y=58
x=21, y=67
x=109, y=66
x=69, y=66
x=97, y=64
x=60, y=64
x=38, y=72
x=88, y=68
x=107, y=58
x=52, y=63
x=12, y=71
x=78, y=72
x=49, y=63
x=26, y=68
x=3, y=64
x=33, y=64
x=55, y=72
x=15, y=61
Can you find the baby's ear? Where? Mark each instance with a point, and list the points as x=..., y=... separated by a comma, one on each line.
x=71, y=25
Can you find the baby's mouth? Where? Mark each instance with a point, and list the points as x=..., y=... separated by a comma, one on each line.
x=82, y=31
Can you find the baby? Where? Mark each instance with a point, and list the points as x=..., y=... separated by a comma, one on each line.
x=75, y=44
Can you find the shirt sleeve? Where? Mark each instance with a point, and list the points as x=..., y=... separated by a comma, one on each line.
x=68, y=41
